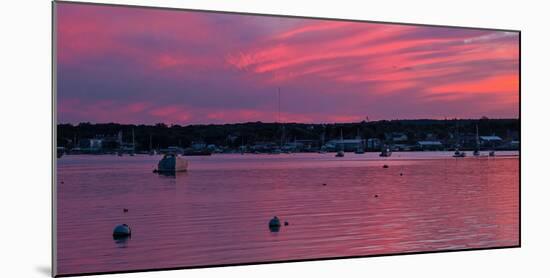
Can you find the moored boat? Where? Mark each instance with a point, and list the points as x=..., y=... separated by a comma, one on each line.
x=386, y=152
x=172, y=163
x=459, y=153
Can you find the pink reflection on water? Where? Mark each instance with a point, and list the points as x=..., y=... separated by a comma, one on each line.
x=217, y=213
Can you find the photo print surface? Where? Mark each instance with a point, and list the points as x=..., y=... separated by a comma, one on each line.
x=192, y=139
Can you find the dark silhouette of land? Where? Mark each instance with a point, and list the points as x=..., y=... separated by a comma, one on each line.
x=404, y=134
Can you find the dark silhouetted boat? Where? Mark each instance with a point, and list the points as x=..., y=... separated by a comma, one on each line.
x=459, y=153
x=171, y=163
x=386, y=152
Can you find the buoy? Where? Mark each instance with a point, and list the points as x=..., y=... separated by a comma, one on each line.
x=122, y=231
x=375, y=195
x=125, y=210
x=401, y=174
x=385, y=166
x=274, y=224
x=324, y=184
x=286, y=223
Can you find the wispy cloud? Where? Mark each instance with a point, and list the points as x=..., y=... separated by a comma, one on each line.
x=142, y=65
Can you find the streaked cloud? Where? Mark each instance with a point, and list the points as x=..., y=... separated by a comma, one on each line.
x=136, y=65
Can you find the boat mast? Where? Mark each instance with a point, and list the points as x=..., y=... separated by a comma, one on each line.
x=279, y=117
x=477, y=138
x=341, y=140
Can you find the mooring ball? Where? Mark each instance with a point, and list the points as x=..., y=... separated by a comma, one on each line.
x=122, y=230
x=274, y=224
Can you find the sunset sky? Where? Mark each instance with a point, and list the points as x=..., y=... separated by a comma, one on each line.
x=136, y=65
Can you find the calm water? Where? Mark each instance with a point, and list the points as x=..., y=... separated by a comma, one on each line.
x=217, y=212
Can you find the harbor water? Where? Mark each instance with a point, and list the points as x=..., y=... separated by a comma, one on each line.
x=218, y=211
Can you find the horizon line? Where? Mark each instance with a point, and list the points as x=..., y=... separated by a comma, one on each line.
x=304, y=123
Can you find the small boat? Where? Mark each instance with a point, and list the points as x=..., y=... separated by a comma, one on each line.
x=459, y=153
x=476, y=153
x=492, y=153
x=385, y=152
x=171, y=163
x=340, y=154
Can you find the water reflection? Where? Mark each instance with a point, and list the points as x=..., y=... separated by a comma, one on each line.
x=121, y=241
x=437, y=204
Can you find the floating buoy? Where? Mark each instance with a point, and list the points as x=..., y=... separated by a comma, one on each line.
x=375, y=195
x=122, y=231
x=125, y=210
x=324, y=184
x=401, y=174
x=274, y=224
x=385, y=166
x=286, y=223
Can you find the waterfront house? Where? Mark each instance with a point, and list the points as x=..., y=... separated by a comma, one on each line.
x=348, y=145
x=430, y=145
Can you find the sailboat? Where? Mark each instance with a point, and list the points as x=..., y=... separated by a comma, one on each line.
x=151, y=151
x=457, y=152
x=340, y=153
x=476, y=151
x=132, y=153
x=386, y=152
x=359, y=149
x=282, y=143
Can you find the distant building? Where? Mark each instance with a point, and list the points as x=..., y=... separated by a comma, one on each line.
x=346, y=144
x=172, y=149
x=430, y=145
x=491, y=138
x=490, y=141
x=91, y=145
x=374, y=144
x=399, y=137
